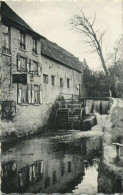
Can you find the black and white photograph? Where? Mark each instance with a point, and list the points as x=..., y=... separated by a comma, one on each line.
x=61, y=97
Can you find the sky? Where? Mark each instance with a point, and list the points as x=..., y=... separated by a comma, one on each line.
x=52, y=20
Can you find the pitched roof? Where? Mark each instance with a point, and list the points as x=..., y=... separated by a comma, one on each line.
x=48, y=48
x=10, y=17
x=7, y=12
x=59, y=54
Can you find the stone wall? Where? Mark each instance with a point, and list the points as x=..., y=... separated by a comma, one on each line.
x=29, y=116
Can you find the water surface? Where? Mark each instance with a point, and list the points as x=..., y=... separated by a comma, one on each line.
x=48, y=165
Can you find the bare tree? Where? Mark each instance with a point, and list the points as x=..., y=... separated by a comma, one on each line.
x=116, y=67
x=118, y=51
x=85, y=25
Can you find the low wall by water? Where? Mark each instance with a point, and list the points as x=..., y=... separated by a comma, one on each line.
x=113, y=183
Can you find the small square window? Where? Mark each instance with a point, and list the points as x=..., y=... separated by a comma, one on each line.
x=61, y=82
x=45, y=78
x=53, y=80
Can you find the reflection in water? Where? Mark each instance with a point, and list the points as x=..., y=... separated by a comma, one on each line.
x=88, y=184
x=109, y=179
x=40, y=165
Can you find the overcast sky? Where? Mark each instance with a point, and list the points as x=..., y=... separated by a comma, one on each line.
x=51, y=19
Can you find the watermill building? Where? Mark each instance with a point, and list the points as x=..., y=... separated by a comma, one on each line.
x=34, y=72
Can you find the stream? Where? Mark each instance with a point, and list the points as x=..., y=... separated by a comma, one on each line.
x=46, y=164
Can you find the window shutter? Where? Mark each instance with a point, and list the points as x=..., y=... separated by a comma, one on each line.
x=39, y=68
x=28, y=64
x=18, y=62
x=30, y=173
x=19, y=93
x=31, y=66
x=29, y=94
x=42, y=163
x=41, y=101
x=32, y=93
x=33, y=171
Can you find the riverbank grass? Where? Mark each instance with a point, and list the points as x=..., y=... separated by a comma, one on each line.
x=117, y=131
x=117, y=124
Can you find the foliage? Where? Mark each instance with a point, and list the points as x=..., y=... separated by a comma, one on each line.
x=95, y=81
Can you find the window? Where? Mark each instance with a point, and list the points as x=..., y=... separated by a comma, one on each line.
x=22, y=40
x=62, y=169
x=29, y=93
x=68, y=83
x=24, y=97
x=54, y=177
x=36, y=94
x=6, y=40
x=45, y=78
x=8, y=109
x=35, y=67
x=61, y=82
x=69, y=167
x=34, y=49
x=47, y=182
x=53, y=80
x=23, y=64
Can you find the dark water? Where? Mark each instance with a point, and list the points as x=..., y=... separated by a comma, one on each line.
x=52, y=164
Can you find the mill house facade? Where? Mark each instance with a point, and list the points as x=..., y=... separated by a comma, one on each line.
x=34, y=72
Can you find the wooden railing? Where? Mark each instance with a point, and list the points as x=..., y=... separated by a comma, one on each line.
x=68, y=96
x=100, y=94
x=69, y=105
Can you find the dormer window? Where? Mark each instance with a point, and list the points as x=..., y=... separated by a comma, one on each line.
x=34, y=49
x=22, y=40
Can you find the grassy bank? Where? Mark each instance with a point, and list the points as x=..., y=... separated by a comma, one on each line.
x=117, y=124
x=114, y=133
